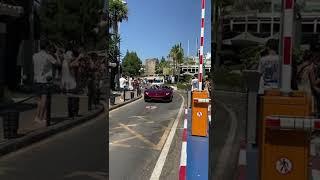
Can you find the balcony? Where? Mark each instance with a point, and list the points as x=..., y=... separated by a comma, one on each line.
x=10, y=10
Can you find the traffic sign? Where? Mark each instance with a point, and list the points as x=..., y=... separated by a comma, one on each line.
x=199, y=114
x=284, y=166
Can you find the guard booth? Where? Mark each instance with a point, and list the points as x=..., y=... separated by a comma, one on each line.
x=284, y=141
x=200, y=103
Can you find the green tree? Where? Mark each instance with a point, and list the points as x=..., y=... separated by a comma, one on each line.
x=63, y=21
x=177, y=54
x=131, y=64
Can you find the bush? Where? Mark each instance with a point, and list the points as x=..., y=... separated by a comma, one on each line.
x=183, y=86
x=225, y=80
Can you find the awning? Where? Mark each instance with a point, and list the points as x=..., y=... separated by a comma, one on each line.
x=245, y=37
x=10, y=10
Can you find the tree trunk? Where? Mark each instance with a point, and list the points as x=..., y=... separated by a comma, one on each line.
x=115, y=33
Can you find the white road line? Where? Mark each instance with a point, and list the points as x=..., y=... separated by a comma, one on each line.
x=242, y=157
x=183, y=158
x=185, y=124
x=227, y=148
x=165, y=150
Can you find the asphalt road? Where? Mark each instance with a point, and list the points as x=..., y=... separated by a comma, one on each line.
x=228, y=129
x=77, y=154
x=137, y=133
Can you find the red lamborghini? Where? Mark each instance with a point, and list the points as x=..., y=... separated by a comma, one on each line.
x=158, y=93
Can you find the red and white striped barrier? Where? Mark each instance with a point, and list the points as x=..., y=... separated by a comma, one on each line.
x=287, y=40
x=242, y=161
x=209, y=113
x=292, y=123
x=201, y=45
x=198, y=100
x=183, y=158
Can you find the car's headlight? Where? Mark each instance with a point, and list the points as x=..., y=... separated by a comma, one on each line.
x=146, y=93
x=167, y=94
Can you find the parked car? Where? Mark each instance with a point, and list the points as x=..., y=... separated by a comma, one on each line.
x=158, y=93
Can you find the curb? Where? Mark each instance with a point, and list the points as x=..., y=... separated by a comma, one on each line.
x=125, y=103
x=242, y=161
x=183, y=158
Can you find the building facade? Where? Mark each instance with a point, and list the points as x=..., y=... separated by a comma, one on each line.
x=263, y=24
x=150, y=67
x=192, y=68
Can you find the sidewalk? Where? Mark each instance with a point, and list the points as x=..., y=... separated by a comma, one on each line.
x=59, y=112
x=31, y=132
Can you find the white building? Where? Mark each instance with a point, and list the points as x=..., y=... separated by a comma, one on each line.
x=193, y=69
x=260, y=25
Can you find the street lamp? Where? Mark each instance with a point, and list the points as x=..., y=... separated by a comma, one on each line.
x=119, y=56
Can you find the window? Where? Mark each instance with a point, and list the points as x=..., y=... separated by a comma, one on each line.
x=318, y=28
x=239, y=27
x=276, y=28
x=307, y=28
x=264, y=27
x=252, y=27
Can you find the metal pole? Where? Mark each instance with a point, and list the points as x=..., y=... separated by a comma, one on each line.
x=272, y=17
x=287, y=44
x=200, y=72
x=3, y=31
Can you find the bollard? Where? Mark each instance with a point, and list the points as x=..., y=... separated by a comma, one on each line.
x=48, y=106
x=112, y=100
x=189, y=99
x=132, y=94
x=124, y=94
x=10, y=124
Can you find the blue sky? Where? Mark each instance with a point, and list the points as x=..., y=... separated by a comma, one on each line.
x=154, y=26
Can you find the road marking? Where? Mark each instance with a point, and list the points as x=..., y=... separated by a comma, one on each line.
x=133, y=137
x=227, y=148
x=94, y=175
x=133, y=146
x=140, y=117
x=145, y=140
x=123, y=140
x=164, y=153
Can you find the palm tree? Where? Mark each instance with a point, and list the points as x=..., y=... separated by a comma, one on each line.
x=118, y=12
x=177, y=54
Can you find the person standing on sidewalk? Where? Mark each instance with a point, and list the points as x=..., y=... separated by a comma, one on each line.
x=123, y=82
x=194, y=83
x=43, y=66
x=207, y=86
x=269, y=67
x=91, y=81
x=69, y=83
x=314, y=76
x=303, y=77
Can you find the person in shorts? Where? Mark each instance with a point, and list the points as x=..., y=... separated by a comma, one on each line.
x=43, y=66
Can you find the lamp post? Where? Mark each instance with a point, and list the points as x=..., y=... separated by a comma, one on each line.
x=119, y=55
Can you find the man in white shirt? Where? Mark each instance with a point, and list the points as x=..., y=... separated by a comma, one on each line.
x=194, y=83
x=42, y=63
x=269, y=67
x=123, y=82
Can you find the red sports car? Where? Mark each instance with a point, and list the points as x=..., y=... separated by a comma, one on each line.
x=158, y=93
